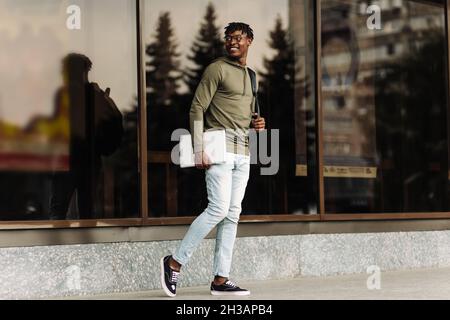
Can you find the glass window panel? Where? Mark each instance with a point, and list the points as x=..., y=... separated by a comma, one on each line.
x=178, y=50
x=384, y=98
x=68, y=121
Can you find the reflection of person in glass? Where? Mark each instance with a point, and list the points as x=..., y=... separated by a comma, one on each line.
x=223, y=100
x=95, y=130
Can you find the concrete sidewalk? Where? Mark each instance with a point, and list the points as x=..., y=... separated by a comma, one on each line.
x=409, y=284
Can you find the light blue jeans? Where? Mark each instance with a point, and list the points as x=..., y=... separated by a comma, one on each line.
x=225, y=184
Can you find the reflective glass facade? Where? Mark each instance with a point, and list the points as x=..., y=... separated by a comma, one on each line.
x=94, y=93
x=384, y=100
x=68, y=110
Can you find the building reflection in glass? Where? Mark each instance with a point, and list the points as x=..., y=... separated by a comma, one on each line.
x=54, y=161
x=384, y=107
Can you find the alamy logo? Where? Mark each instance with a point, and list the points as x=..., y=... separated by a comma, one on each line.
x=270, y=162
x=374, y=21
x=374, y=280
x=73, y=22
x=73, y=277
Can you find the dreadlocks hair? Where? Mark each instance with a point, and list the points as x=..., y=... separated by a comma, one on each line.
x=239, y=26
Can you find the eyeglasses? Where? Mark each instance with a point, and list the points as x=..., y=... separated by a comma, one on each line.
x=238, y=38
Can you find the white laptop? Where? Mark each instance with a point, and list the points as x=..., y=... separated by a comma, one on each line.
x=214, y=144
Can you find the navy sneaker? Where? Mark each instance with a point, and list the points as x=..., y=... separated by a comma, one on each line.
x=228, y=289
x=169, y=277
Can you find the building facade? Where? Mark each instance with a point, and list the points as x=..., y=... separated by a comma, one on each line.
x=94, y=95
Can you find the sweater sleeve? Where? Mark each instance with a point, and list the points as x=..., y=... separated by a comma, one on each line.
x=202, y=99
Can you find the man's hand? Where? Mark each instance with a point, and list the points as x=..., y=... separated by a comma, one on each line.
x=259, y=123
x=202, y=161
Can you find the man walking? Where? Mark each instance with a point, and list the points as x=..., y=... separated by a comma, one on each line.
x=224, y=99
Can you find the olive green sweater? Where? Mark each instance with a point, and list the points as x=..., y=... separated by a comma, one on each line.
x=223, y=100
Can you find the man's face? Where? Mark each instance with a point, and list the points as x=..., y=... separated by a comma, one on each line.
x=237, y=44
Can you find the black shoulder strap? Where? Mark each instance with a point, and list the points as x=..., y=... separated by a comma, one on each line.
x=254, y=89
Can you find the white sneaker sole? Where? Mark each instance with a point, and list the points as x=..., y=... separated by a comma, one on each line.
x=163, y=282
x=228, y=293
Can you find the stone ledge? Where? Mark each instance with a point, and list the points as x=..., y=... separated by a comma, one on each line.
x=57, y=271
